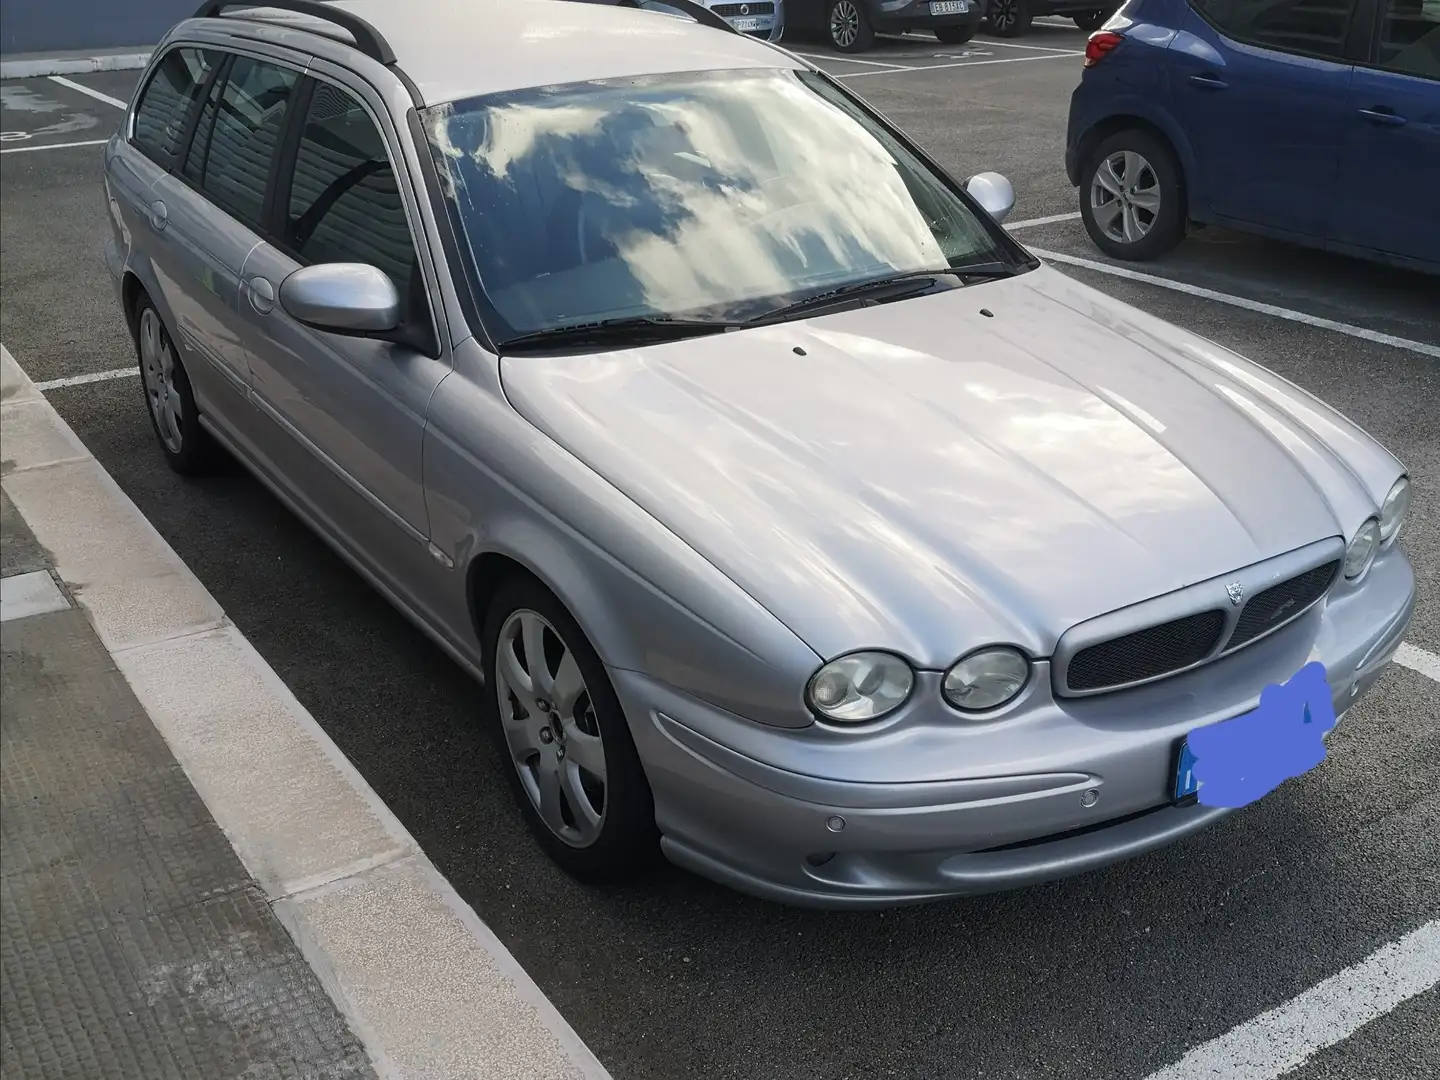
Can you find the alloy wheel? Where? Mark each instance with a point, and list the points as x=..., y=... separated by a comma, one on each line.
x=550, y=727
x=1125, y=197
x=157, y=370
x=844, y=24
x=1004, y=14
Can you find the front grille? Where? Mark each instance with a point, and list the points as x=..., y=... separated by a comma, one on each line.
x=1279, y=604
x=731, y=11
x=1146, y=654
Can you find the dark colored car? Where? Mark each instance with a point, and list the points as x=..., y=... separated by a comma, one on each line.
x=1311, y=121
x=851, y=25
x=1011, y=18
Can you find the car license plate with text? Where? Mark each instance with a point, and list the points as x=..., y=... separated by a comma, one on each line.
x=949, y=7
x=745, y=26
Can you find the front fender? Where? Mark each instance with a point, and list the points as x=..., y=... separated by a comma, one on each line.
x=647, y=601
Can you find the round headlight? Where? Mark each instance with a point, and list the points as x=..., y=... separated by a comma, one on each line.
x=1394, y=509
x=1362, y=549
x=986, y=679
x=859, y=687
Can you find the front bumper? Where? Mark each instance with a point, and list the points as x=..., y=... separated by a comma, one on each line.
x=808, y=817
x=897, y=16
x=753, y=20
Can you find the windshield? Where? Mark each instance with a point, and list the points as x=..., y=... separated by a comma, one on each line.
x=702, y=195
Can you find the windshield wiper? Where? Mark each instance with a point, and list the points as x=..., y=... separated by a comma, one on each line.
x=640, y=328
x=899, y=286
x=985, y=270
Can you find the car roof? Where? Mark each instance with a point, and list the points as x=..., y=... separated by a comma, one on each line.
x=455, y=49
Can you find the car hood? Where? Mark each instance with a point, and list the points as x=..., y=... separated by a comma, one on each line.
x=995, y=463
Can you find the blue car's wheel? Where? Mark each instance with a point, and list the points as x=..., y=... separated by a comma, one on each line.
x=1132, y=197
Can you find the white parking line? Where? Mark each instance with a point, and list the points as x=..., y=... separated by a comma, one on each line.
x=1033, y=48
x=83, y=89
x=1242, y=302
x=960, y=64
x=52, y=146
x=851, y=60
x=81, y=380
x=1282, y=1039
x=1030, y=223
x=1426, y=663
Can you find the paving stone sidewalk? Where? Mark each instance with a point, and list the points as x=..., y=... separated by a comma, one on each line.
x=133, y=944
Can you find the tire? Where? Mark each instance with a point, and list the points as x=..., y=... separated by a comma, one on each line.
x=1155, y=169
x=848, y=27
x=955, y=35
x=622, y=839
x=1008, y=18
x=1090, y=21
x=188, y=448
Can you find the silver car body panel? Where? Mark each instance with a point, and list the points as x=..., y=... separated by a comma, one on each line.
x=722, y=514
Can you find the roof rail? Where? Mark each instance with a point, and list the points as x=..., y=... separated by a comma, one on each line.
x=701, y=14
x=367, y=39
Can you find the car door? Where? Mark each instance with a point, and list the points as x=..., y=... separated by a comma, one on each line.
x=1261, y=88
x=194, y=255
x=350, y=410
x=1389, y=191
x=215, y=203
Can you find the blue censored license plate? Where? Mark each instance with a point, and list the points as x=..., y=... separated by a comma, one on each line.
x=1234, y=762
x=1186, y=783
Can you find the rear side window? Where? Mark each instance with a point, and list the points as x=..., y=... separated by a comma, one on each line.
x=239, y=149
x=199, y=152
x=163, y=112
x=1410, y=37
x=345, y=203
x=1309, y=27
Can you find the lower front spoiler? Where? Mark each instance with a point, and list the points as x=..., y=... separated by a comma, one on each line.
x=878, y=880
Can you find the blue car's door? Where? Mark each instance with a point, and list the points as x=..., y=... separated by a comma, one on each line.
x=1389, y=192
x=1261, y=87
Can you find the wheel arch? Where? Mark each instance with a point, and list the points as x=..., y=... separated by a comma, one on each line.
x=131, y=290
x=1127, y=121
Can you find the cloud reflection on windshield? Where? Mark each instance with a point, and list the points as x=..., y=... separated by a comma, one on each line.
x=674, y=194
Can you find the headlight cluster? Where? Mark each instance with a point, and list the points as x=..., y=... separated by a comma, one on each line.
x=1394, y=509
x=1361, y=550
x=1378, y=532
x=865, y=686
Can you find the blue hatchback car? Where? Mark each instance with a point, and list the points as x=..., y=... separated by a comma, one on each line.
x=1312, y=121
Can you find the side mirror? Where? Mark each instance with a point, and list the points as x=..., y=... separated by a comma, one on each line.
x=992, y=191
x=344, y=298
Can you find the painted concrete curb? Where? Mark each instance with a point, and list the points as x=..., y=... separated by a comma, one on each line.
x=38, y=66
x=427, y=987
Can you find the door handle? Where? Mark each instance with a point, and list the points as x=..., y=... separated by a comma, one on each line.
x=158, y=216
x=262, y=295
x=1209, y=81
x=1382, y=114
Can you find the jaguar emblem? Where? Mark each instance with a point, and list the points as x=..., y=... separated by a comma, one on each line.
x=1236, y=592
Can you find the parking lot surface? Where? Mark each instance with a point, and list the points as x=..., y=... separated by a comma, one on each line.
x=1116, y=974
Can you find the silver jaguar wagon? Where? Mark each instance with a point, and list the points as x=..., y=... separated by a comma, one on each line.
x=794, y=520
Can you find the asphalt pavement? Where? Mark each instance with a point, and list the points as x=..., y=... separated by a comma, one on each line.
x=1111, y=975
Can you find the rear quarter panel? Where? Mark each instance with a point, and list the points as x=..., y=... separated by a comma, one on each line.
x=1131, y=85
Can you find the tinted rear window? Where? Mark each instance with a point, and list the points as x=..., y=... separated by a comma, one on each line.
x=163, y=111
